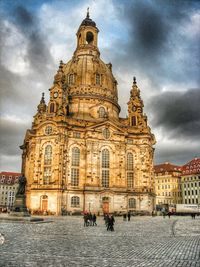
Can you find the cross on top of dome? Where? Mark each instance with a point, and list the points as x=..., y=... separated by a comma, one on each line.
x=87, y=21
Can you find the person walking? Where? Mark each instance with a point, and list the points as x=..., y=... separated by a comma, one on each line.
x=124, y=217
x=85, y=218
x=106, y=219
x=90, y=219
x=94, y=218
x=112, y=221
x=108, y=223
x=129, y=216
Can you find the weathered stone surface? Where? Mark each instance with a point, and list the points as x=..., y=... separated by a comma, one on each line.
x=83, y=113
x=144, y=241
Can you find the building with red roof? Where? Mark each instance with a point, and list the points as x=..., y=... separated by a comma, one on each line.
x=8, y=189
x=190, y=182
x=167, y=184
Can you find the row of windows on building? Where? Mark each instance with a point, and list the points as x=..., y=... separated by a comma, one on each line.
x=72, y=79
x=192, y=192
x=7, y=187
x=174, y=186
x=191, y=201
x=75, y=167
x=75, y=202
x=191, y=178
x=169, y=201
x=174, y=194
x=168, y=180
x=102, y=113
x=9, y=180
x=8, y=199
x=196, y=184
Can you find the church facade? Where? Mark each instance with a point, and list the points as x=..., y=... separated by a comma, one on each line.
x=79, y=154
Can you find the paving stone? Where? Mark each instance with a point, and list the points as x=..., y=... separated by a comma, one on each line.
x=144, y=241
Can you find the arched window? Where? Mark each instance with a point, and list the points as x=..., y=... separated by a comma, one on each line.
x=132, y=203
x=47, y=164
x=102, y=112
x=89, y=37
x=75, y=201
x=51, y=107
x=105, y=167
x=129, y=168
x=71, y=79
x=133, y=121
x=98, y=78
x=75, y=165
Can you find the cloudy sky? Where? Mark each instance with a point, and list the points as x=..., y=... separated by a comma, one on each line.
x=158, y=41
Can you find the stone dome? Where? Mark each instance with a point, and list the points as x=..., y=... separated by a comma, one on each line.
x=86, y=75
x=87, y=84
x=89, y=75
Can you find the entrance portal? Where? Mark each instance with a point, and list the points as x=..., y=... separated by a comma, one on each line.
x=105, y=204
x=105, y=207
x=44, y=203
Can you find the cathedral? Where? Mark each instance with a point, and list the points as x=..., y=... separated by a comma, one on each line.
x=79, y=154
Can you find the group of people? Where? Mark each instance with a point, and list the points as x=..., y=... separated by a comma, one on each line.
x=128, y=215
x=109, y=222
x=90, y=219
x=193, y=215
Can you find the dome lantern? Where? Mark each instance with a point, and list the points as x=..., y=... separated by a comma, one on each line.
x=87, y=35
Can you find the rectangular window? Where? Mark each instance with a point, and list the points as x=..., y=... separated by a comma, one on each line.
x=130, y=179
x=105, y=178
x=47, y=175
x=71, y=79
x=98, y=78
x=105, y=161
x=74, y=177
x=133, y=121
x=76, y=135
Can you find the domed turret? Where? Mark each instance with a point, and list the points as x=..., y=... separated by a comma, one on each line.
x=88, y=77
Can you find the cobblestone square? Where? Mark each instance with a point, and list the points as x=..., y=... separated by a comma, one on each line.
x=144, y=241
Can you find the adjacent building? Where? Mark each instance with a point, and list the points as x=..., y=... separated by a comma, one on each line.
x=8, y=189
x=167, y=184
x=80, y=154
x=190, y=182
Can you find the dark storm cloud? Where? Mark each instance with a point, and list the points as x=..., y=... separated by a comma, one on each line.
x=178, y=113
x=23, y=17
x=157, y=44
x=20, y=92
x=11, y=137
x=148, y=28
x=8, y=81
x=178, y=153
x=38, y=52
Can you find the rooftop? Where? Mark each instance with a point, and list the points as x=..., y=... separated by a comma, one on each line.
x=192, y=167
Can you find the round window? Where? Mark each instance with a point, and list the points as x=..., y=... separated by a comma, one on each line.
x=89, y=37
x=48, y=130
x=106, y=133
